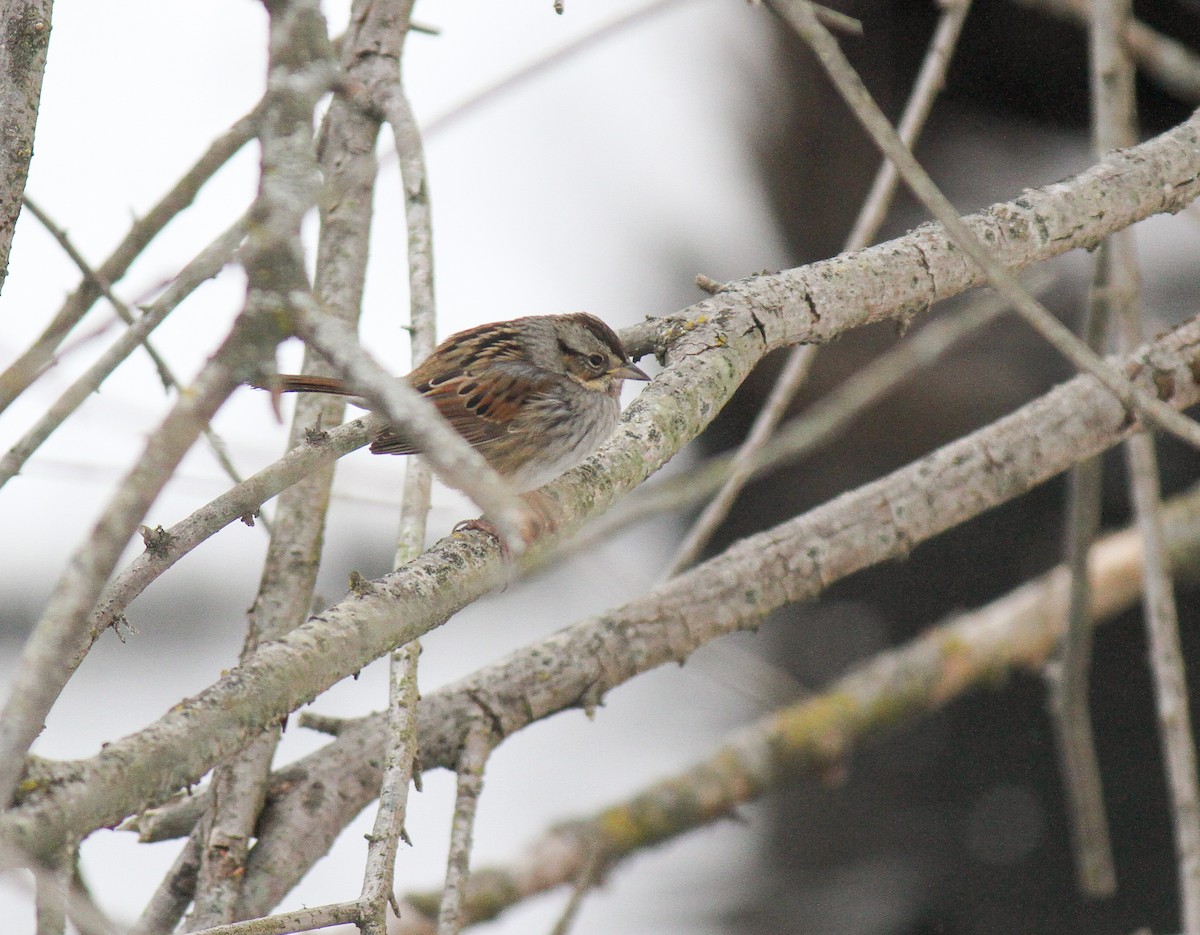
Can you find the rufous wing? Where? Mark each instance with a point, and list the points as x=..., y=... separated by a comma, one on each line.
x=480, y=410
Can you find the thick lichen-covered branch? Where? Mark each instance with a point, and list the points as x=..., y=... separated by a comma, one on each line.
x=791, y=562
x=808, y=739
x=712, y=347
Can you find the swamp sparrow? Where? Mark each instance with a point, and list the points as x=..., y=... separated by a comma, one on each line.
x=534, y=395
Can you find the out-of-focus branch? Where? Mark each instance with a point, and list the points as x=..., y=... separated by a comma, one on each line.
x=50, y=895
x=741, y=469
x=25, y=369
x=1115, y=122
x=24, y=41
x=476, y=749
x=168, y=546
x=174, y=892
x=1174, y=66
x=165, y=374
x=345, y=156
x=801, y=16
x=104, y=288
x=929, y=82
x=205, y=265
x=1069, y=676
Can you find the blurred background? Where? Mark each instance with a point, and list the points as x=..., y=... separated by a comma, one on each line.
x=675, y=138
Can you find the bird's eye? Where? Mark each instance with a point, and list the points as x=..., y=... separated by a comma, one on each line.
x=595, y=361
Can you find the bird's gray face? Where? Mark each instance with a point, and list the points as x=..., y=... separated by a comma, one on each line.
x=592, y=354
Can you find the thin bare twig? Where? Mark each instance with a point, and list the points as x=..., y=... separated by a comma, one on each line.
x=794, y=373
x=243, y=501
x=1112, y=111
x=799, y=13
x=476, y=749
x=1175, y=726
x=26, y=368
x=208, y=263
x=169, y=381
x=414, y=181
x=104, y=288
x=399, y=766
x=1068, y=675
x=929, y=83
x=406, y=135
x=930, y=80
x=1114, y=103
x=287, y=923
x=284, y=598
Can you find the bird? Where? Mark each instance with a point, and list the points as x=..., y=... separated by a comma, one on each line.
x=534, y=395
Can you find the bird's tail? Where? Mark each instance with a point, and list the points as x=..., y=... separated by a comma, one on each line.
x=303, y=383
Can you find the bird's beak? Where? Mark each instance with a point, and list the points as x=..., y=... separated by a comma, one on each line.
x=630, y=372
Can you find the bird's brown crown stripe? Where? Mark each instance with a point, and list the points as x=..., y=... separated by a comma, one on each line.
x=604, y=333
